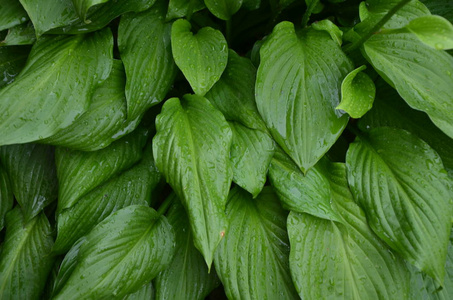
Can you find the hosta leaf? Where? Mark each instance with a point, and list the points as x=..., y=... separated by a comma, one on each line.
x=191, y=149
x=32, y=173
x=25, y=259
x=331, y=260
x=6, y=196
x=187, y=276
x=12, y=60
x=144, y=44
x=434, y=31
x=311, y=193
x=23, y=34
x=357, y=93
x=55, y=86
x=335, y=33
x=11, y=14
x=103, y=122
x=180, y=8
x=132, y=187
x=80, y=172
x=234, y=93
x=421, y=75
x=83, y=6
x=405, y=192
x=297, y=90
x=442, y=8
x=146, y=292
x=251, y=154
x=202, y=57
x=120, y=255
x=252, y=261
x=223, y=9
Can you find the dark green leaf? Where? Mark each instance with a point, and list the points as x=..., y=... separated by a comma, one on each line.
x=12, y=60
x=146, y=292
x=223, y=9
x=442, y=8
x=192, y=149
x=6, y=196
x=23, y=34
x=180, y=8
x=83, y=6
x=11, y=14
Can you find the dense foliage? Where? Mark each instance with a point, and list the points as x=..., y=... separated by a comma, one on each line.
x=240, y=149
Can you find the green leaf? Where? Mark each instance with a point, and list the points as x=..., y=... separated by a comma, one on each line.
x=401, y=184
x=103, y=122
x=202, y=57
x=12, y=60
x=251, y=154
x=23, y=34
x=234, y=93
x=434, y=31
x=6, y=196
x=80, y=172
x=357, y=93
x=187, y=276
x=420, y=74
x=192, y=149
x=32, y=173
x=119, y=256
x=144, y=44
x=132, y=187
x=252, y=261
x=11, y=14
x=25, y=261
x=297, y=90
x=55, y=86
x=311, y=193
x=180, y=8
x=326, y=25
x=442, y=8
x=84, y=6
x=223, y=9
x=146, y=292
x=343, y=260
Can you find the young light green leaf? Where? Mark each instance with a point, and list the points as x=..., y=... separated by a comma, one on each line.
x=223, y=9
x=132, y=187
x=25, y=259
x=6, y=196
x=104, y=121
x=144, y=45
x=357, y=93
x=297, y=90
x=23, y=34
x=55, y=86
x=146, y=292
x=12, y=60
x=251, y=154
x=234, y=93
x=202, y=57
x=343, y=260
x=326, y=25
x=192, y=150
x=11, y=14
x=140, y=244
x=80, y=172
x=180, y=8
x=32, y=173
x=421, y=75
x=405, y=192
x=434, y=31
x=196, y=282
x=252, y=261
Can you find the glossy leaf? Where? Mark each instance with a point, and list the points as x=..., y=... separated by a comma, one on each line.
x=405, y=192
x=442, y=8
x=434, y=31
x=191, y=149
x=146, y=292
x=132, y=187
x=144, y=44
x=202, y=57
x=25, y=259
x=252, y=261
x=187, y=276
x=80, y=172
x=180, y=8
x=326, y=25
x=357, y=93
x=32, y=172
x=12, y=60
x=120, y=255
x=251, y=154
x=223, y=9
x=83, y=6
x=23, y=34
x=6, y=196
x=11, y=14
x=297, y=90
x=343, y=260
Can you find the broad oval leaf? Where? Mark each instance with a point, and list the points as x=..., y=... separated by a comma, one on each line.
x=6, y=196
x=191, y=149
x=12, y=60
x=405, y=192
x=202, y=57
x=332, y=260
x=297, y=90
x=25, y=259
x=252, y=260
x=223, y=9
x=434, y=31
x=55, y=87
x=121, y=254
x=11, y=14
x=195, y=282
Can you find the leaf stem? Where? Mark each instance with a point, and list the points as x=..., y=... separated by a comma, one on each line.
x=351, y=47
x=228, y=31
x=165, y=205
x=190, y=10
x=308, y=12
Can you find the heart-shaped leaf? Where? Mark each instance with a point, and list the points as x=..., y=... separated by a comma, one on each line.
x=223, y=9
x=6, y=196
x=12, y=60
x=11, y=14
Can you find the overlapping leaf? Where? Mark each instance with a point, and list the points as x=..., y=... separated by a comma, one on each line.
x=144, y=293
x=82, y=7
x=11, y=14
x=442, y=8
x=23, y=34
x=180, y=8
x=223, y=9
x=434, y=31
x=6, y=196
x=12, y=60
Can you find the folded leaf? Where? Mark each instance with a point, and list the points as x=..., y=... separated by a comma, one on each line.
x=12, y=60
x=196, y=283
x=6, y=196
x=25, y=259
x=297, y=90
x=23, y=34
x=202, y=57
x=11, y=14
x=335, y=33
x=252, y=261
x=33, y=176
x=405, y=192
x=119, y=256
x=434, y=31
x=191, y=149
x=82, y=7
x=343, y=260
x=223, y=9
